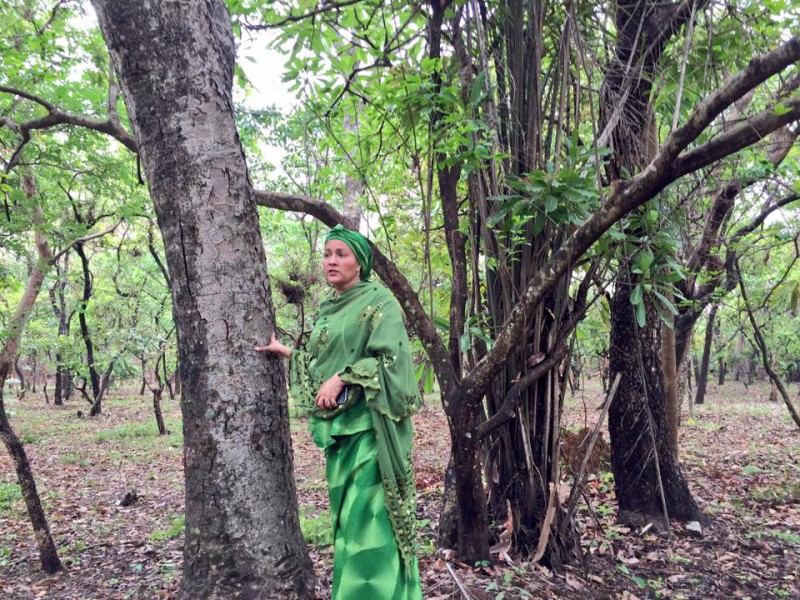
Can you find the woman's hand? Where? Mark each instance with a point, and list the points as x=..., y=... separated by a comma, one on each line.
x=329, y=392
x=275, y=347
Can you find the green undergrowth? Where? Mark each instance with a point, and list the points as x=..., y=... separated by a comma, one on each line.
x=317, y=530
x=10, y=498
x=171, y=531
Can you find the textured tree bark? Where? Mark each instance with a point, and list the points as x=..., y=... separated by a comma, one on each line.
x=175, y=63
x=642, y=457
x=647, y=474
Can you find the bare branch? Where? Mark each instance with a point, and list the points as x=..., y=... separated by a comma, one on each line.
x=84, y=239
x=322, y=8
x=56, y=117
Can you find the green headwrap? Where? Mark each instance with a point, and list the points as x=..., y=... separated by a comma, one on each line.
x=358, y=244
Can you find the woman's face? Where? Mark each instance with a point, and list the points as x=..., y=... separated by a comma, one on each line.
x=341, y=266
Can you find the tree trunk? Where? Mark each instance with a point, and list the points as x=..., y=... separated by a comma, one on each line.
x=48, y=554
x=58, y=393
x=143, y=388
x=162, y=429
x=58, y=301
x=702, y=378
x=647, y=476
x=242, y=539
x=448, y=516
x=670, y=371
x=94, y=376
x=23, y=384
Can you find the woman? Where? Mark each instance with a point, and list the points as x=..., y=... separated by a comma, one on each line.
x=356, y=380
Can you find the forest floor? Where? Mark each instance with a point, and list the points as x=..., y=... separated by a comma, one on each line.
x=740, y=454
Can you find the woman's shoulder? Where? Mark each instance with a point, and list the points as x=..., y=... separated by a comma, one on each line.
x=380, y=294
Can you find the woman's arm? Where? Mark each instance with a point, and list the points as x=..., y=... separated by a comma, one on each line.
x=275, y=347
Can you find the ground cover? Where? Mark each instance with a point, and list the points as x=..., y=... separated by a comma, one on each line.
x=113, y=491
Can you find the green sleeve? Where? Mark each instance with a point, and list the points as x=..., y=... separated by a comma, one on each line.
x=386, y=374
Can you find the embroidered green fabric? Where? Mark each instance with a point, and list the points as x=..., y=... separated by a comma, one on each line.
x=360, y=335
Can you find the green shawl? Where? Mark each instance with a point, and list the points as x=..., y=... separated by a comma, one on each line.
x=360, y=335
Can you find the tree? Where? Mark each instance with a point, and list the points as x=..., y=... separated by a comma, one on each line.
x=242, y=536
x=48, y=554
x=463, y=389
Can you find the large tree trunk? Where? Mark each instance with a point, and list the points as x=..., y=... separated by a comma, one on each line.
x=647, y=475
x=242, y=538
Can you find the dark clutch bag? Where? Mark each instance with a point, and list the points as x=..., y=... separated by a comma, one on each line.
x=342, y=397
x=346, y=398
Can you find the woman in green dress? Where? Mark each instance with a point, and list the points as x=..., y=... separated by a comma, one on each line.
x=356, y=380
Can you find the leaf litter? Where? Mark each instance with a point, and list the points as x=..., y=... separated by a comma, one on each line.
x=739, y=454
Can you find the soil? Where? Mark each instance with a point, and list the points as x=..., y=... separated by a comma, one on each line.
x=113, y=492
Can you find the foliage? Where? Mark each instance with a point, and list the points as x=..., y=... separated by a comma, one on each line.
x=173, y=530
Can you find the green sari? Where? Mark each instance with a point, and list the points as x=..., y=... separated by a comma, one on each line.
x=360, y=335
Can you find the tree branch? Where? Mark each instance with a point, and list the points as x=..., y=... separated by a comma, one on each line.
x=56, y=116
x=741, y=136
x=84, y=239
x=628, y=195
x=761, y=344
x=322, y=8
x=388, y=272
x=758, y=70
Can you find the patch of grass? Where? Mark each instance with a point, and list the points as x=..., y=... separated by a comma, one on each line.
x=784, y=536
x=426, y=544
x=125, y=432
x=751, y=469
x=317, y=530
x=76, y=458
x=30, y=438
x=10, y=494
x=173, y=530
x=311, y=485
x=785, y=492
x=143, y=433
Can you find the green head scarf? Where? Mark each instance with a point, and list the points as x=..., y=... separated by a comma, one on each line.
x=358, y=244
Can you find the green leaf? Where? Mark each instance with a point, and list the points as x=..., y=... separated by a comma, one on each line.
x=465, y=340
x=780, y=109
x=636, y=294
x=641, y=318
x=477, y=93
x=666, y=302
